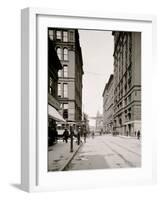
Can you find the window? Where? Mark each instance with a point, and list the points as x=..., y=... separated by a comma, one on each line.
x=129, y=72
x=65, y=111
x=129, y=116
x=50, y=85
x=58, y=35
x=65, y=106
x=65, y=70
x=71, y=36
x=129, y=97
x=65, y=36
x=65, y=90
x=59, y=53
x=65, y=53
x=60, y=73
x=51, y=34
x=129, y=83
x=59, y=90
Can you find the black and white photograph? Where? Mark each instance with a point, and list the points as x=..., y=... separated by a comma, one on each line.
x=94, y=99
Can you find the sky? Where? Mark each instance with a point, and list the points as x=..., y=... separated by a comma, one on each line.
x=97, y=52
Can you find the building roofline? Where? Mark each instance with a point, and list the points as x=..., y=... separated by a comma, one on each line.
x=108, y=83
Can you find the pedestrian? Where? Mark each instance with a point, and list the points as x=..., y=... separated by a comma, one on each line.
x=65, y=135
x=101, y=131
x=85, y=135
x=138, y=134
x=93, y=134
x=78, y=136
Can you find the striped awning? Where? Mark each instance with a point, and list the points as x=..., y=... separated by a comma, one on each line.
x=53, y=113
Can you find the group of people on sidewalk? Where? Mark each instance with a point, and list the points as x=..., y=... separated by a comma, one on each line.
x=67, y=134
x=78, y=135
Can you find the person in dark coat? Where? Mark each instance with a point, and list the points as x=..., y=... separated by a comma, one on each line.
x=65, y=135
x=79, y=136
x=138, y=134
x=93, y=134
x=85, y=135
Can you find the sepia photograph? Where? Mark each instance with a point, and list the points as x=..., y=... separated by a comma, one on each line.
x=94, y=99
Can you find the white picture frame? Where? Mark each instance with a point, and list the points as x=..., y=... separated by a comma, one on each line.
x=34, y=176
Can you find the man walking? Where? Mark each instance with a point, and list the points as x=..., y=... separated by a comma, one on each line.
x=78, y=136
x=138, y=134
x=85, y=135
x=66, y=135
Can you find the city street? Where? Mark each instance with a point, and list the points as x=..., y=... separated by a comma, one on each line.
x=107, y=151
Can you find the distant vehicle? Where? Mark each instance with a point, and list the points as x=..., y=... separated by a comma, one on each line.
x=60, y=131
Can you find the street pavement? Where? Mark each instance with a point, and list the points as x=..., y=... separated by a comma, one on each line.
x=107, y=151
x=59, y=155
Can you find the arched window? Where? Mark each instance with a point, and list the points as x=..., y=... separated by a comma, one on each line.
x=59, y=53
x=65, y=53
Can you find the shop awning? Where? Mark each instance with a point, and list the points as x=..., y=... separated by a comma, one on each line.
x=53, y=113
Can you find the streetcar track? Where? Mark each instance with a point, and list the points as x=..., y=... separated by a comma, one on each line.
x=126, y=148
x=121, y=156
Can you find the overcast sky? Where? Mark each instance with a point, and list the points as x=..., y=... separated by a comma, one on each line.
x=97, y=52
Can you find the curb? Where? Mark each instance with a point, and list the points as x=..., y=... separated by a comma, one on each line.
x=71, y=157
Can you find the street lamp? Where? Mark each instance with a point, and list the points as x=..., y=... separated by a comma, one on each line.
x=71, y=138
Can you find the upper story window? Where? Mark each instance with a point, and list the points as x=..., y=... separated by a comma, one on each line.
x=65, y=71
x=60, y=73
x=65, y=111
x=65, y=36
x=65, y=53
x=71, y=36
x=58, y=35
x=50, y=86
x=59, y=53
x=59, y=90
x=65, y=90
x=51, y=34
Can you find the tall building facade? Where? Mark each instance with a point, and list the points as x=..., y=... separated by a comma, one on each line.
x=54, y=66
x=127, y=82
x=108, y=103
x=70, y=77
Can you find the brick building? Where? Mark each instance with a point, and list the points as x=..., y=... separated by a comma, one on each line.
x=108, y=103
x=70, y=77
x=127, y=82
x=54, y=66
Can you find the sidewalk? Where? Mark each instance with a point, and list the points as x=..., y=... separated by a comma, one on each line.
x=59, y=155
x=127, y=137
